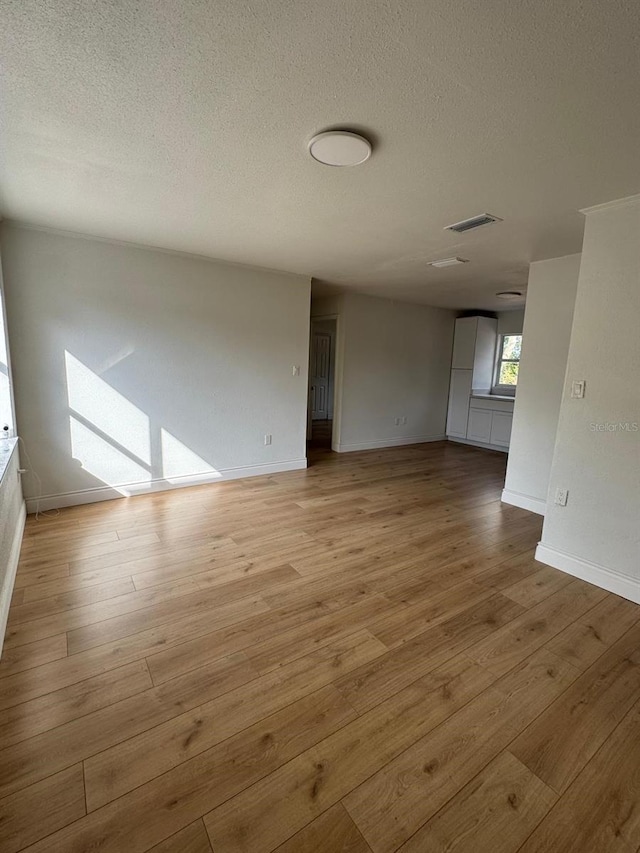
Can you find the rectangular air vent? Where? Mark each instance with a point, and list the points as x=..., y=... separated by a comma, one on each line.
x=474, y=222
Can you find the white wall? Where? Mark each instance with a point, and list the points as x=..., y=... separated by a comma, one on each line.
x=597, y=534
x=551, y=296
x=511, y=322
x=133, y=365
x=394, y=360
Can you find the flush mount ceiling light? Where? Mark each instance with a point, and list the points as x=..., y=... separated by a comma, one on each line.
x=448, y=262
x=510, y=294
x=340, y=148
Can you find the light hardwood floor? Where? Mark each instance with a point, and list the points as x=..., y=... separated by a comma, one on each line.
x=363, y=656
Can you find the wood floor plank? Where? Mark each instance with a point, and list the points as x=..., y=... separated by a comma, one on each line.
x=538, y=586
x=599, y=812
x=156, y=750
x=252, y=753
x=209, y=656
x=496, y=811
x=559, y=744
x=61, y=673
x=70, y=600
x=61, y=706
x=210, y=645
x=393, y=804
x=94, y=614
x=25, y=763
x=32, y=655
x=582, y=642
x=150, y=608
x=511, y=644
x=332, y=832
x=259, y=819
x=378, y=680
x=37, y=811
x=289, y=645
x=191, y=839
x=412, y=619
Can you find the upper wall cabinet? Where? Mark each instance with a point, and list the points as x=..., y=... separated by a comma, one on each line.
x=474, y=348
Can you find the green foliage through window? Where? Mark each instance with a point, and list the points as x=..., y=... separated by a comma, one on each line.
x=509, y=363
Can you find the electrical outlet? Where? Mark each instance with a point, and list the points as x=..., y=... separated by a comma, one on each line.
x=562, y=495
x=267, y=439
x=403, y=420
x=397, y=421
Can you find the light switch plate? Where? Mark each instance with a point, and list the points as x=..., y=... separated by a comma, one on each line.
x=577, y=389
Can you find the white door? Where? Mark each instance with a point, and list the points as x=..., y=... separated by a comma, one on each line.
x=459, y=393
x=320, y=373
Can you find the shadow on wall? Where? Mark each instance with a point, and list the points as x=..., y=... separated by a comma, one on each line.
x=118, y=443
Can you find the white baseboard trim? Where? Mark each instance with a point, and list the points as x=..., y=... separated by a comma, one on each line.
x=108, y=493
x=481, y=444
x=593, y=573
x=7, y=585
x=386, y=442
x=524, y=501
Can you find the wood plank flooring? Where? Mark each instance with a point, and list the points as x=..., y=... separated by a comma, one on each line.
x=362, y=657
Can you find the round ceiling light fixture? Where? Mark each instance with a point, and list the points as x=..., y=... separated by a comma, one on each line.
x=510, y=294
x=340, y=148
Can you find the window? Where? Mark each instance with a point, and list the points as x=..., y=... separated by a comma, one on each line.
x=508, y=363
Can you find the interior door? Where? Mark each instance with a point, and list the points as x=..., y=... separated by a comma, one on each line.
x=320, y=372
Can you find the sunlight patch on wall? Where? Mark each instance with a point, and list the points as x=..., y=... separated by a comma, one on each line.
x=101, y=458
x=109, y=411
x=179, y=461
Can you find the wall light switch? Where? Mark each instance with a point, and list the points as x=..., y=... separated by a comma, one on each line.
x=577, y=389
x=296, y=370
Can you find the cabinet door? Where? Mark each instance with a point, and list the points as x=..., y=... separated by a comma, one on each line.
x=464, y=343
x=479, y=428
x=501, y=428
x=485, y=354
x=459, y=393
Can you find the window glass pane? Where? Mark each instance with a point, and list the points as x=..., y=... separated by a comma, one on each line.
x=508, y=373
x=511, y=346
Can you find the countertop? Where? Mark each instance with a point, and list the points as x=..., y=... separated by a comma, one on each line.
x=483, y=396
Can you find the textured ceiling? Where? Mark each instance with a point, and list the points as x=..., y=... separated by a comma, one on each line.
x=184, y=124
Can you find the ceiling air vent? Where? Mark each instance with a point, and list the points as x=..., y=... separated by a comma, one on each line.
x=474, y=222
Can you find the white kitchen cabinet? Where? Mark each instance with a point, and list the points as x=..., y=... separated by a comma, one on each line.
x=474, y=348
x=459, y=394
x=501, y=428
x=479, y=425
x=464, y=343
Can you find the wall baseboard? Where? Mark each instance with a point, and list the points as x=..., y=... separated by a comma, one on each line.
x=108, y=493
x=608, y=579
x=7, y=587
x=386, y=442
x=524, y=501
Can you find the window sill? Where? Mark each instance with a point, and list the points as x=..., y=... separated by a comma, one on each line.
x=7, y=446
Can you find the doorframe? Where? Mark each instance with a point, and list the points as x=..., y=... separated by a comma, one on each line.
x=337, y=376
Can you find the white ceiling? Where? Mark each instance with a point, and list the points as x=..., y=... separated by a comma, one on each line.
x=184, y=124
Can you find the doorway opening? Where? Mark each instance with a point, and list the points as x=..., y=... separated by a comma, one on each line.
x=322, y=382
